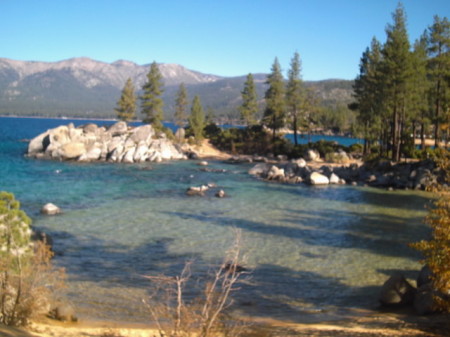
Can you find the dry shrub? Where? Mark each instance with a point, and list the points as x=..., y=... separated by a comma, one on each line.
x=205, y=315
x=437, y=249
x=27, y=280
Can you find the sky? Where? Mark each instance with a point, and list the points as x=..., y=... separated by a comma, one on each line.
x=226, y=37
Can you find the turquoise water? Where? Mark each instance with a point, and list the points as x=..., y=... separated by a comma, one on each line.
x=316, y=253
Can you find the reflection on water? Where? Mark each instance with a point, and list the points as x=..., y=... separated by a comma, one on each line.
x=314, y=252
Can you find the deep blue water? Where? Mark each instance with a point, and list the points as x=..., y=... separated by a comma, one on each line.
x=316, y=253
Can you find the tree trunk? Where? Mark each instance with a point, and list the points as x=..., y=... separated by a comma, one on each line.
x=437, y=114
x=422, y=136
x=295, y=129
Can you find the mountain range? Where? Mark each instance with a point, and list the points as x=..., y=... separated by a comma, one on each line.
x=82, y=87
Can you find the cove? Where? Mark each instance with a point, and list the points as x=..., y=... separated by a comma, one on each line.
x=316, y=253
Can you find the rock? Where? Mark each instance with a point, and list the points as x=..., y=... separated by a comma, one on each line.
x=275, y=173
x=424, y=300
x=141, y=153
x=92, y=154
x=64, y=312
x=50, y=209
x=202, y=163
x=142, y=133
x=312, y=155
x=118, y=129
x=36, y=145
x=317, y=178
x=200, y=191
x=180, y=134
x=424, y=276
x=397, y=291
x=259, y=169
x=334, y=179
x=220, y=194
x=71, y=150
x=299, y=162
x=39, y=235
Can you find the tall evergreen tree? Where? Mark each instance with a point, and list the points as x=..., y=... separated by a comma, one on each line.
x=126, y=106
x=296, y=99
x=249, y=106
x=151, y=101
x=197, y=119
x=439, y=71
x=181, y=103
x=367, y=94
x=420, y=85
x=397, y=71
x=275, y=105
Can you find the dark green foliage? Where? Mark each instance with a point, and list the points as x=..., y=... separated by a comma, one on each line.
x=151, y=101
x=181, y=103
x=197, y=119
x=249, y=106
x=297, y=103
x=274, y=113
x=126, y=106
x=250, y=140
x=394, y=96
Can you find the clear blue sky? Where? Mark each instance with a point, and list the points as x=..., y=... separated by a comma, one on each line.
x=226, y=37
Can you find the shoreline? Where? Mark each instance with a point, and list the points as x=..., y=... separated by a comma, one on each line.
x=400, y=324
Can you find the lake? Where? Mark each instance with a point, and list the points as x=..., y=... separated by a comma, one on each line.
x=316, y=253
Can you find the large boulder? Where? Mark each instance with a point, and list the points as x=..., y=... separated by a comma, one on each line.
x=397, y=291
x=275, y=173
x=317, y=178
x=312, y=155
x=334, y=179
x=142, y=133
x=425, y=300
x=118, y=129
x=259, y=169
x=37, y=145
x=71, y=150
x=425, y=276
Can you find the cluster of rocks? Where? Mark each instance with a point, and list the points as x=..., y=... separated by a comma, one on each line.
x=201, y=190
x=118, y=143
x=297, y=171
x=419, y=175
x=398, y=292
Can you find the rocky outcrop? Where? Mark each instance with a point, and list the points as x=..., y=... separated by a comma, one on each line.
x=118, y=143
x=419, y=175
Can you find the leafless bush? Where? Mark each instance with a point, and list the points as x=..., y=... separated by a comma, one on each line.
x=205, y=315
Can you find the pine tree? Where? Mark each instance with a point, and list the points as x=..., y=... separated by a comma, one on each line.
x=197, y=119
x=274, y=112
x=151, y=101
x=439, y=71
x=249, y=106
x=181, y=106
x=126, y=106
x=367, y=94
x=397, y=72
x=296, y=98
x=420, y=85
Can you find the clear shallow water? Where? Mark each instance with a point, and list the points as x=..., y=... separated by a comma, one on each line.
x=314, y=252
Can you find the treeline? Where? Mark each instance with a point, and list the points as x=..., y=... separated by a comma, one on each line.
x=403, y=90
